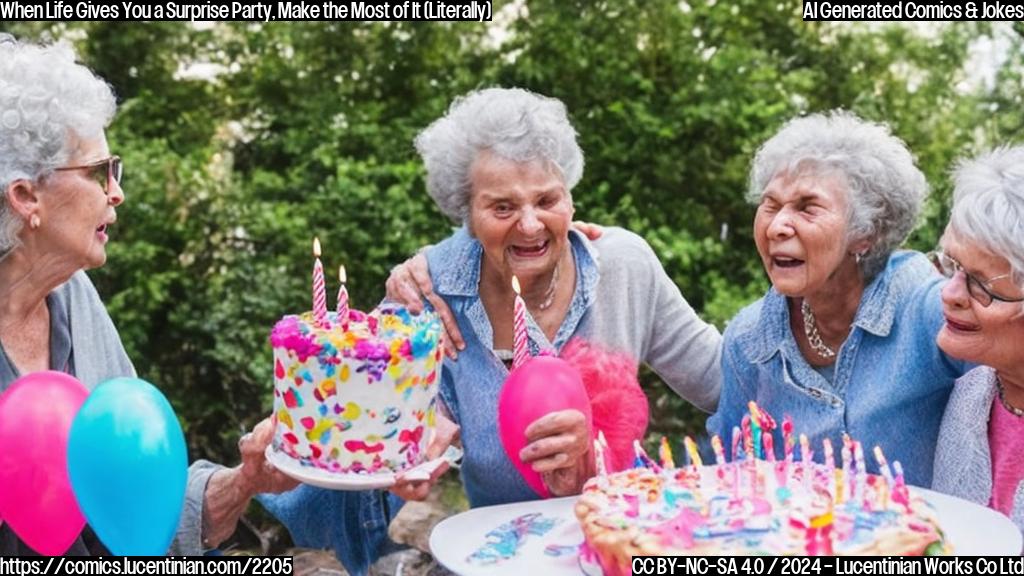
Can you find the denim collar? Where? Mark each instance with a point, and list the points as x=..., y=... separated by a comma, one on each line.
x=460, y=277
x=874, y=315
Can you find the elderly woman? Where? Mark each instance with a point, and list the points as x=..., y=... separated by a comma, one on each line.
x=979, y=454
x=59, y=190
x=844, y=340
x=503, y=162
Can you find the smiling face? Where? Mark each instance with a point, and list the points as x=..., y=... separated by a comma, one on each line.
x=520, y=213
x=983, y=335
x=800, y=230
x=75, y=210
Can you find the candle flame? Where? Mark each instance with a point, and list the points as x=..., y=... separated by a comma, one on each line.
x=341, y=274
x=515, y=285
x=316, y=247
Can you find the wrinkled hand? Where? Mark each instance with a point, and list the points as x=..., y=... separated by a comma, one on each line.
x=559, y=449
x=447, y=433
x=408, y=284
x=256, y=475
x=591, y=231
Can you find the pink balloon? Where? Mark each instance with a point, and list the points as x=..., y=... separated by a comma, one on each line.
x=36, y=500
x=542, y=385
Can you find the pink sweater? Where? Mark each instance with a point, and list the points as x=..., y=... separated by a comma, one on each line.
x=1005, y=438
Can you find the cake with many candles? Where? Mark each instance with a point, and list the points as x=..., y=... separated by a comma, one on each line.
x=754, y=505
x=355, y=393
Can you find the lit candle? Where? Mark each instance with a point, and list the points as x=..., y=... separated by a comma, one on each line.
x=342, y=299
x=665, y=453
x=883, y=466
x=846, y=455
x=319, y=292
x=830, y=465
x=691, y=449
x=755, y=428
x=520, y=336
x=862, y=476
x=645, y=460
x=806, y=454
x=599, y=465
x=769, y=447
x=716, y=445
x=787, y=438
x=748, y=436
x=900, y=492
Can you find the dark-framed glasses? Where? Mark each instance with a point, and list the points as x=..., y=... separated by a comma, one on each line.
x=105, y=172
x=980, y=290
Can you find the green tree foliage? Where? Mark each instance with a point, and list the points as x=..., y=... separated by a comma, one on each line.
x=303, y=129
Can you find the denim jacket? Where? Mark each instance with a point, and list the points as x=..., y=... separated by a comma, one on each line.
x=353, y=524
x=890, y=385
x=623, y=300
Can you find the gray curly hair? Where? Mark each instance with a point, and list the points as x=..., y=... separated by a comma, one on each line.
x=46, y=99
x=988, y=205
x=884, y=187
x=513, y=123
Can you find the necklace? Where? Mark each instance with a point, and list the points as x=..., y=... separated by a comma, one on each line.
x=549, y=294
x=813, y=336
x=1002, y=398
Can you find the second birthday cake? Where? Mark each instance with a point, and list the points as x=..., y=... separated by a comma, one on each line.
x=754, y=505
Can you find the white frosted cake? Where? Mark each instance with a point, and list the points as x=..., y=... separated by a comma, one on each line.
x=360, y=398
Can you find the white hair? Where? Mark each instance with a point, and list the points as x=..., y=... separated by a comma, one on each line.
x=46, y=101
x=513, y=123
x=884, y=187
x=988, y=205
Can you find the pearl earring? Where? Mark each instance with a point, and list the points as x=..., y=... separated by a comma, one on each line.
x=33, y=221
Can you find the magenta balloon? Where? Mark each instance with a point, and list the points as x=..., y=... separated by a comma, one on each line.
x=36, y=500
x=542, y=385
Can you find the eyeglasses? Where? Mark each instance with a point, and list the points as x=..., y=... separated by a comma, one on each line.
x=980, y=290
x=105, y=172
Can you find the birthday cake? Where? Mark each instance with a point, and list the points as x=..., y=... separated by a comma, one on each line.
x=359, y=396
x=754, y=506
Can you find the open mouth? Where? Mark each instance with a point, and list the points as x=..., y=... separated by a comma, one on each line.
x=530, y=250
x=960, y=326
x=101, y=232
x=786, y=262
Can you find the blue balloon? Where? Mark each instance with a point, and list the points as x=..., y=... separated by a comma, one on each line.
x=128, y=466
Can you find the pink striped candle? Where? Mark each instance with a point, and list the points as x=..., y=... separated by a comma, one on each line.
x=520, y=336
x=787, y=438
x=319, y=291
x=769, y=446
x=342, y=299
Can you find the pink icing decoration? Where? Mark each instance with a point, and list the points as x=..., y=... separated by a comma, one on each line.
x=679, y=529
x=359, y=445
x=287, y=334
x=289, y=399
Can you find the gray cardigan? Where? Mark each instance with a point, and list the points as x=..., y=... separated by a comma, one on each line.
x=98, y=355
x=963, y=461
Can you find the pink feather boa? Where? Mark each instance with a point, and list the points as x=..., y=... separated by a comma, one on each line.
x=618, y=404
